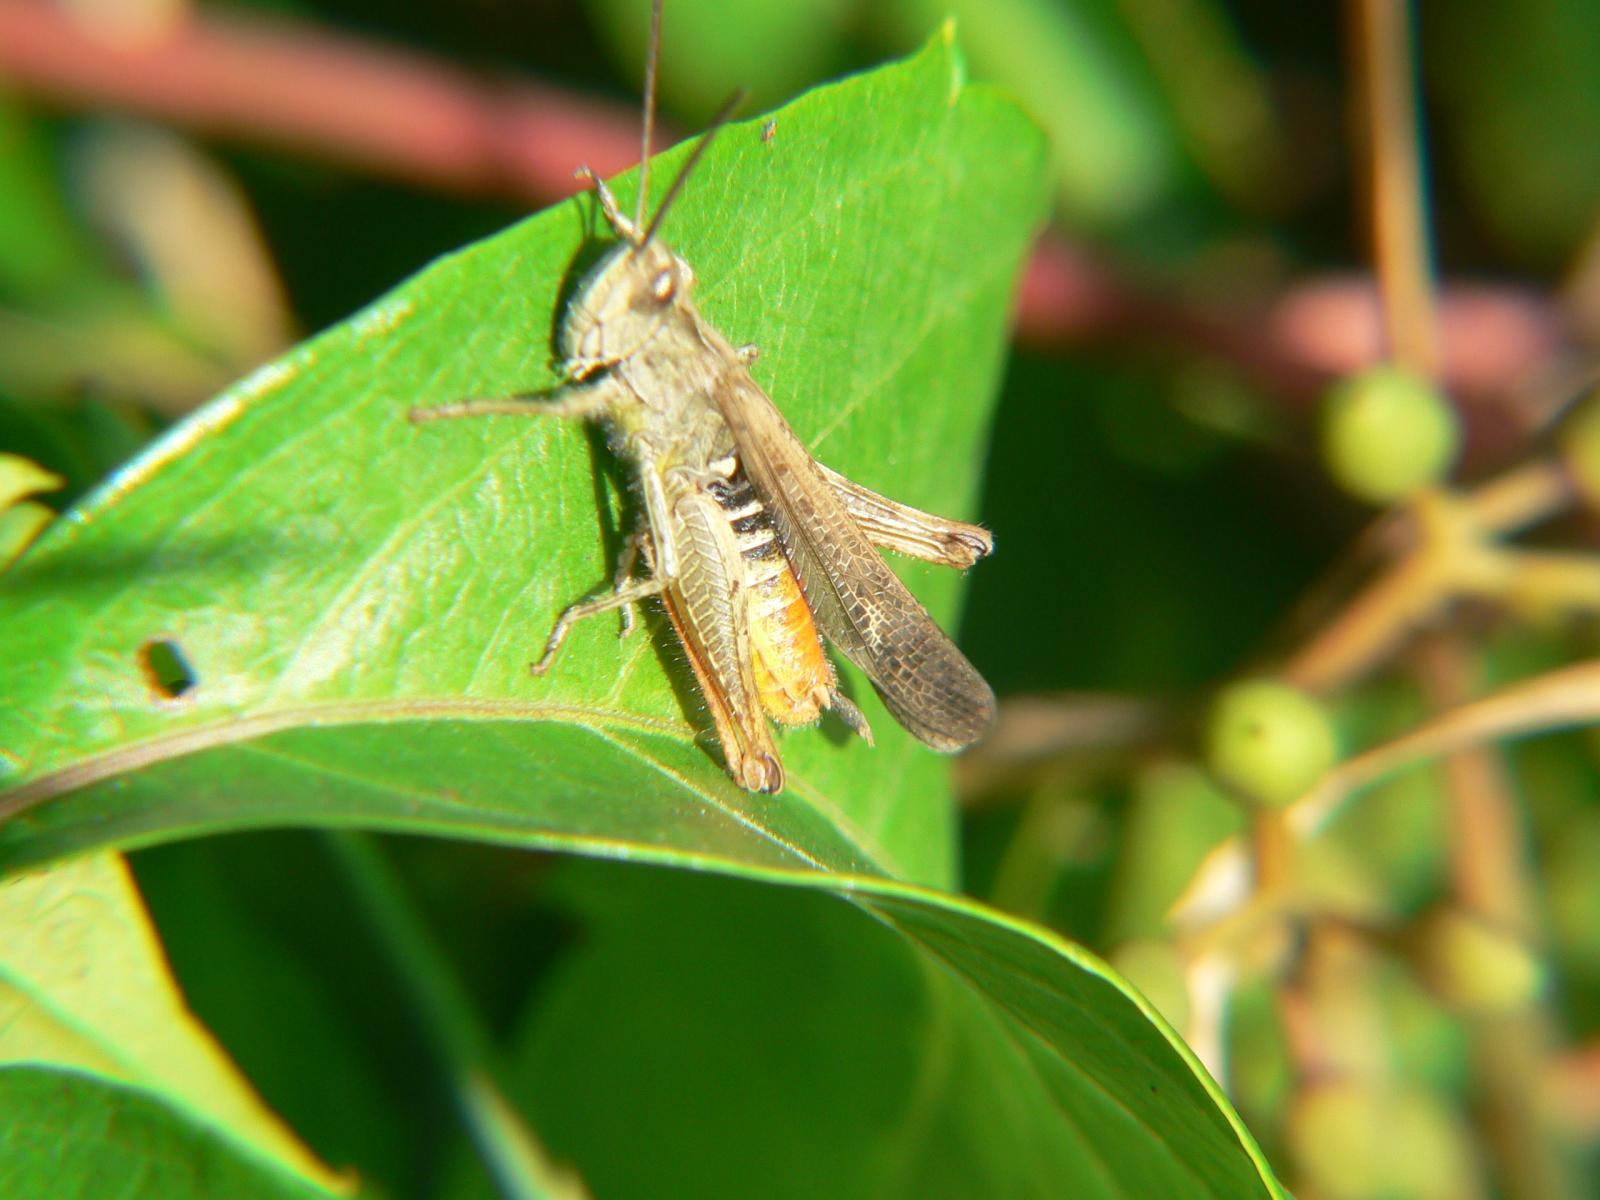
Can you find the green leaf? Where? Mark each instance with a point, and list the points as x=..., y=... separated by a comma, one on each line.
x=21, y=519
x=748, y=1040
x=347, y=605
x=21, y=477
x=358, y=599
x=83, y=984
x=19, y=525
x=68, y=1136
x=280, y=966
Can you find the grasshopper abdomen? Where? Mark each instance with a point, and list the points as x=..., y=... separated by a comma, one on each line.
x=793, y=676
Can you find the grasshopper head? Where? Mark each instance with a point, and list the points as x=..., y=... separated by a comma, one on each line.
x=625, y=300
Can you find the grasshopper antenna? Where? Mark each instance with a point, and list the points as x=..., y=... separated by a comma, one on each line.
x=652, y=58
x=729, y=107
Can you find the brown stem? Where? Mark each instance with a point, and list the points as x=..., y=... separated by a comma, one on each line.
x=1272, y=849
x=1488, y=859
x=1522, y=496
x=1573, y=1084
x=1068, y=295
x=1383, y=54
x=1374, y=622
x=1491, y=877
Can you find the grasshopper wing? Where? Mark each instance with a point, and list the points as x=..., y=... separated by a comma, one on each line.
x=860, y=604
x=890, y=525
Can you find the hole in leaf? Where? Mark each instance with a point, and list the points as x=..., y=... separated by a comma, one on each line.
x=165, y=669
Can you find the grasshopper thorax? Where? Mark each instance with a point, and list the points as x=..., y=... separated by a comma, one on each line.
x=620, y=306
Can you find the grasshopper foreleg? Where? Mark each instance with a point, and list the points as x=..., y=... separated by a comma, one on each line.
x=583, y=401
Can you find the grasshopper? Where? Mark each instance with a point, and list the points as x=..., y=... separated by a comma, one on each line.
x=757, y=550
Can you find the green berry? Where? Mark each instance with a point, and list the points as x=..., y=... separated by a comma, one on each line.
x=1478, y=967
x=1268, y=741
x=1386, y=433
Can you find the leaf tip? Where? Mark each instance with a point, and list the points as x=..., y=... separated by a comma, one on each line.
x=946, y=40
x=22, y=477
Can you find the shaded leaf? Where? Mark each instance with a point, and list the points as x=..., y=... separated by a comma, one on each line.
x=83, y=984
x=1521, y=118
x=769, y=1040
x=68, y=1136
x=43, y=252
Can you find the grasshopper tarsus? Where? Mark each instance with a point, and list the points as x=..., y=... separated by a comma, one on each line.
x=608, y=205
x=978, y=547
x=853, y=717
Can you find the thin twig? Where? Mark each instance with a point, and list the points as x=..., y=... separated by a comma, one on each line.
x=1522, y=497
x=1383, y=54
x=1488, y=843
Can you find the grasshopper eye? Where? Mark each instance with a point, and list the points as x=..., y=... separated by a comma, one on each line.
x=663, y=286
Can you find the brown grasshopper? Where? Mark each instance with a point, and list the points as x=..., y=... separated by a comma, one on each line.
x=756, y=549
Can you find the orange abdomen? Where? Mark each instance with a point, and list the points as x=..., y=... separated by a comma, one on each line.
x=793, y=675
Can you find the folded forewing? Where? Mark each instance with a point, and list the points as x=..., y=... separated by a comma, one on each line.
x=861, y=606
